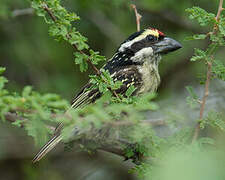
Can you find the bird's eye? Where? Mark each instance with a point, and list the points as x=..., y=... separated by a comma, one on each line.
x=151, y=38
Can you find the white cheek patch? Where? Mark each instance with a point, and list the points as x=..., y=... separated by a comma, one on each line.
x=142, y=54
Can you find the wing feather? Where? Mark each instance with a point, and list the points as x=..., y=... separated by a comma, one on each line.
x=128, y=75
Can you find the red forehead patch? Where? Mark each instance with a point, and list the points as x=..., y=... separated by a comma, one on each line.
x=161, y=33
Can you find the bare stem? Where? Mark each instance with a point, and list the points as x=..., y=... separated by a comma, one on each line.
x=138, y=16
x=209, y=72
x=203, y=101
x=114, y=147
x=220, y=9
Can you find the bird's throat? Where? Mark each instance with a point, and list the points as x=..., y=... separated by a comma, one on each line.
x=150, y=76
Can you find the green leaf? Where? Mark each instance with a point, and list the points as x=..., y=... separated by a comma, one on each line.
x=3, y=80
x=103, y=87
x=206, y=140
x=95, y=57
x=204, y=18
x=81, y=59
x=143, y=102
x=27, y=91
x=195, y=37
x=222, y=25
x=199, y=36
x=192, y=100
x=18, y=123
x=191, y=92
x=37, y=129
x=130, y=91
x=198, y=55
x=79, y=40
x=218, y=69
x=117, y=85
x=2, y=70
x=216, y=119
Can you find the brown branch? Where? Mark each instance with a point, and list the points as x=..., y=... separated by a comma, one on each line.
x=13, y=117
x=45, y=7
x=114, y=150
x=203, y=101
x=206, y=92
x=207, y=82
x=138, y=16
x=96, y=70
x=50, y=13
x=116, y=146
x=220, y=9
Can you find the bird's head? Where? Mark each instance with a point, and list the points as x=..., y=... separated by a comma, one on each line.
x=148, y=42
x=141, y=46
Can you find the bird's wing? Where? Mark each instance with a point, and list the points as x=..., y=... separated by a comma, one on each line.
x=128, y=75
x=47, y=147
x=84, y=97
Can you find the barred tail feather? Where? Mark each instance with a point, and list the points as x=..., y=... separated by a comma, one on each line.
x=47, y=147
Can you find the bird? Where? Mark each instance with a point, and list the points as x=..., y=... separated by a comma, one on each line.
x=135, y=63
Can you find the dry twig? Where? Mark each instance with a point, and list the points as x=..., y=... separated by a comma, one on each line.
x=203, y=101
x=138, y=16
x=96, y=70
x=113, y=147
x=207, y=82
x=50, y=13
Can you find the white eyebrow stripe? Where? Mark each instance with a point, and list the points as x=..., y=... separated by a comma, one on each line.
x=138, y=38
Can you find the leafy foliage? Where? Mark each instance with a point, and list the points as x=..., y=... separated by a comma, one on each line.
x=207, y=56
x=124, y=115
x=32, y=107
x=215, y=119
x=193, y=99
x=60, y=27
x=219, y=69
x=204, y=18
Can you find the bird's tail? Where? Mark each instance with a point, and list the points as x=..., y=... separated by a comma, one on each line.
x=47, y=147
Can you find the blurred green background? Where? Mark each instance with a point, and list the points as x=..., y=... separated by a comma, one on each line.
x=31, y=57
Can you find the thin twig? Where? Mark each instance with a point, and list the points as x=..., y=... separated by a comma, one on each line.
x=50, y=13
x=22, y=12
x=96, y=70
x=207, y=82
x=114, y=150
x=113, y=147
x=13, y=117
x=138, y=16
x=203, y=101
x=220, y=9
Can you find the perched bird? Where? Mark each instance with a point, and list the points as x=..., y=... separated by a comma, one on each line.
x=134, y=63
